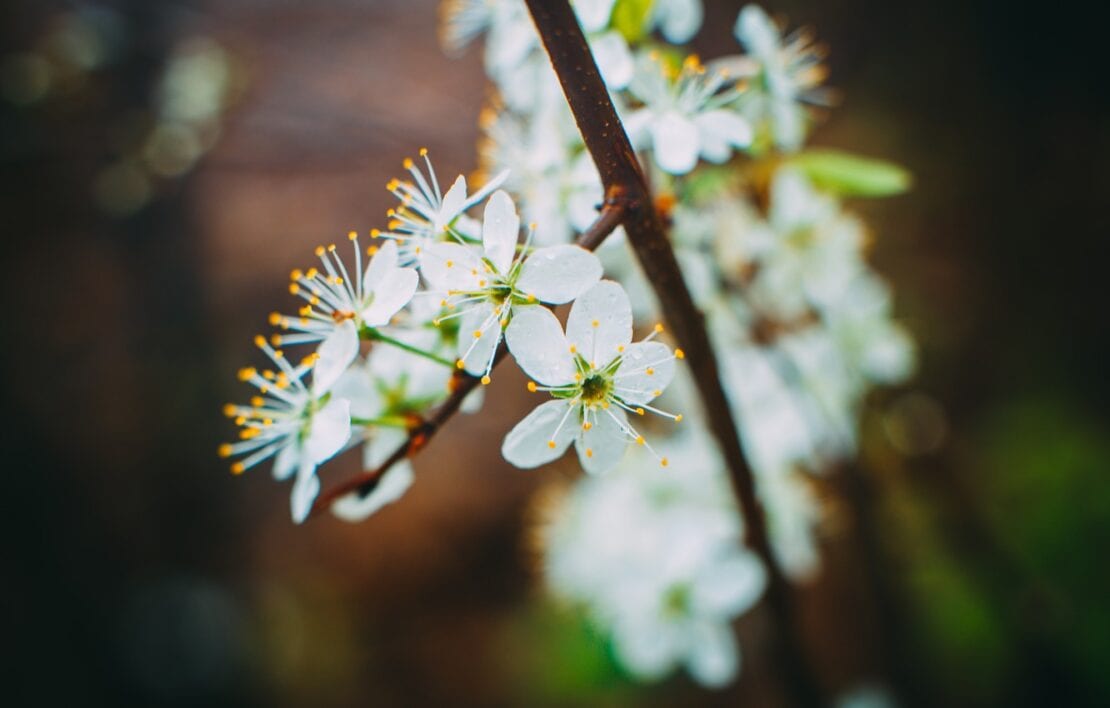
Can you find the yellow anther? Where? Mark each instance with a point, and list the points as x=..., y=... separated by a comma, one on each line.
x=230, y=409
x=650, y=371
x=485, y=380
x=477, y=334
x=587, y=425
x=577, y=376
x=679, y=354
x=393, y=224
x=620, y=349
x=319, y=251
x=268, y=375
x=312, y=273
x=481, y=283
x=275, y=339
x=238, y=468
x=278, y=354
x=390, y=212
x=296, y=274
x=459, y=364
x=595, y=323
x=450, y=264
x=505, y=322
x=247, y=373
x=657, y=392
x=407, y=163
x=531, y=297
x=248, y=433
x=305, y=311
x=639, y=439
x=338, y=280
x=240, y=420
x=639, y=411
x=224, y=450
x=678, y=418
x=658, y=328
x=551, y=444
x=331, y=247
x=392, y=185
x=275, y=319
x=294, y=288
x=573, y=349
x=664, y=462
x=352, y=235
x=258, y=401
x=371, y=250
x=532, y=386
x=589, y=452
x=374, y=233
x=314, y=300
x=423, y=152
x=435, y=322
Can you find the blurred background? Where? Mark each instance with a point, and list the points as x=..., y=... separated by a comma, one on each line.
x=164, y=164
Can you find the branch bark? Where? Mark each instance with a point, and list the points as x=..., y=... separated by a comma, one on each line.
x=615, y=158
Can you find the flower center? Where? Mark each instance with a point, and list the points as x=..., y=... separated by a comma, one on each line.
x=596, y=389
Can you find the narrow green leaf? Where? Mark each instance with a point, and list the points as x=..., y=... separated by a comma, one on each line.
x=852, y=175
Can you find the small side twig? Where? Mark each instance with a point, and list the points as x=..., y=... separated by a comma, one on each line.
x=611, y=214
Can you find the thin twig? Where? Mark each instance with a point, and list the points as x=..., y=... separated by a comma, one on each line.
x=612, y=211
x=615, y=158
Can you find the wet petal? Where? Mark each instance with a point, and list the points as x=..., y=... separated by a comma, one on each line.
x=558, y=274
x=646, y=370
x=330, y=429
x=600, y=322
x=389, y=489
x=383, y=261
x=535, y=339
x=500, y=229
x=305, y=490
x=475, y=351
x=391, y=293
x=603, y=445
x=528, y=444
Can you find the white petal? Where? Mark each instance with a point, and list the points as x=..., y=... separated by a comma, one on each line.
x=755, y=31
x=381, y=445
x=602, y=446
x=600, y=322
x=285, y=464
x=714, y=659
x=452, y=205
x=593, y=14
x=500, y=229
x=330, y=429
x=473, y=401
x=389, y=489
x=558, y=274
x=484, y=192
x=719, y=131
x=674, y=139
x=383, y=261
x=357, y=386
x=646, y=646
x=305, y=490
x=391, y=293
x=528, y=444
x=614, y=60
x=536, y=340
x=476, y=351
x=638, y=126
x=728, y=586
x=336, y=353
x=451, y=266
x=679, y=20
x=646, y=369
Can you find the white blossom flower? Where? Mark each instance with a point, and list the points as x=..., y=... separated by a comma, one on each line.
x=333, y=297
x=784, y=75
x=299, y=425
x=484, y=289
x=427, y=215
x=685, y=114
x=656, y=558
x=594, y=372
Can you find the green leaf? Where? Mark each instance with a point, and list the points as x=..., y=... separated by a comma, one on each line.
x=852, y=175
x=630, y=18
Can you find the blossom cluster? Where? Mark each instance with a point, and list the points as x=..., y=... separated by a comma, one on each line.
x=431, y=299
x=801, y=324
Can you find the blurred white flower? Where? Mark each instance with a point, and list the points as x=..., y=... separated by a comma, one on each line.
x=655, y=556
x=783, y=75
x=299, y=425
x=685, y=114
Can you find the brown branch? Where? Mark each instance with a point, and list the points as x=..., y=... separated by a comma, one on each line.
x=612, y=152
x=611, y=213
